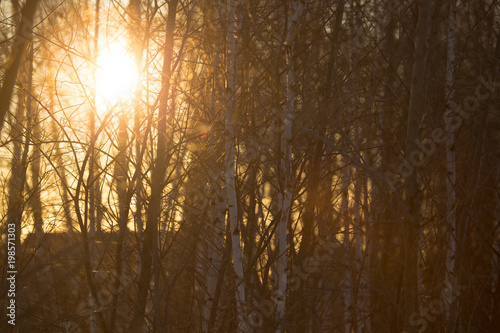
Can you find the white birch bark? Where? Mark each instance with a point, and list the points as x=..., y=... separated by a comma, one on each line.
x=216, y=228
x=286, y=165
x=344, y=206
x=360, y=277
x=365, y=277
x=450, y=163
x=215, y=248
x=356, y=260
x=135, y=13
x=230, y=177
x=91, y=181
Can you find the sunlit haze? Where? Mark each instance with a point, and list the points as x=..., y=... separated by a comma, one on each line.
x=116, y=75
x=250, y=166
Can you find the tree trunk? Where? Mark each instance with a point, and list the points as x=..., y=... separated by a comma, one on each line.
x=215, y=246
x=35, y=199
x=286, y=164
x=451, y=174
x=413, y=195
x=92, y=180
x=120, y=176
x=22, y=38
x=17, y=181
x=150, y=240
x=230, y=177
x=345, y=215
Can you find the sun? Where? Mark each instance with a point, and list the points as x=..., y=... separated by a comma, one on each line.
x=116, y=74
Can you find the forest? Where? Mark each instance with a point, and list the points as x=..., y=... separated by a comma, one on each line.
x=250, y=166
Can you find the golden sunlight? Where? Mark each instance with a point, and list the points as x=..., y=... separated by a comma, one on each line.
x=116, y=75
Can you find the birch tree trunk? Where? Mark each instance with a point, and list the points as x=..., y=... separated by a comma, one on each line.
x=121, y=170
x=230, y=177
x=215, y=262
x=35, y=199
x=134, y=31
x=344, y=209
x=286, y=164
x=92, y=178
x=36, y=202
x=215, y=246
x=356, y=275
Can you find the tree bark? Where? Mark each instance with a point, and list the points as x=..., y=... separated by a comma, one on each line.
x=413, y=195
x=230, y=177
x=150, y=241
x=286, y=164
x=451, y=173
x=23, y=36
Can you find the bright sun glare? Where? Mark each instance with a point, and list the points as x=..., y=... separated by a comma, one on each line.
x=116, y=75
